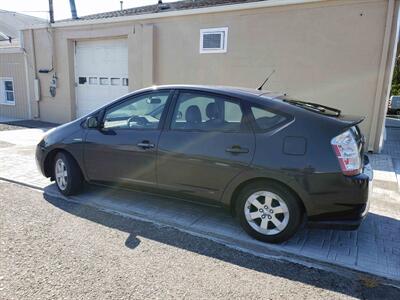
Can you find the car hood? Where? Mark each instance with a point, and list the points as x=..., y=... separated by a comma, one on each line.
x=59, y=133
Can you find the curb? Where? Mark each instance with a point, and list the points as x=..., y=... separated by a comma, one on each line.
x=32, y=186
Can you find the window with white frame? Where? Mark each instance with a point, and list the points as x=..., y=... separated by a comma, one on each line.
x=214, y=40
x=7, y=95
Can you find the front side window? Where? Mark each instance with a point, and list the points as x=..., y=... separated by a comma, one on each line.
x=7, y=91
x=265, y=119
x=143, y=111
x=213, y=40
x=205, y=112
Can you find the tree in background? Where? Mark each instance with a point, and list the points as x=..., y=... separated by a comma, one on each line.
x=396, y=74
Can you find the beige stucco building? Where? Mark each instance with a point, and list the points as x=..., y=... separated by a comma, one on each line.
x=13, y=84
x=14, y=97
x=335, y=52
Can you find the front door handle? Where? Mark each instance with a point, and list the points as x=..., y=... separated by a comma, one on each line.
x=145, y=145
x=235, y=149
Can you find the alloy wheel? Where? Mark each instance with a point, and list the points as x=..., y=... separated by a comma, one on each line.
x=61, y=174
x=266, y=212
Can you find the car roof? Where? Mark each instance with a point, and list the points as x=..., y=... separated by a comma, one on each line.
x=276, y=101
x=227, y=90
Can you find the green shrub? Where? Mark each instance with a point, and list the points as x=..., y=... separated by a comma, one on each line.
x=395, y=89
x=396, y=74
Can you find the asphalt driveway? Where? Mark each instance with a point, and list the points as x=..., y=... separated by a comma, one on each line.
x=56, y=249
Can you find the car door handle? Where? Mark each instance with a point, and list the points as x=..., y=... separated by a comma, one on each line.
x=237, y=149
x=145, y=145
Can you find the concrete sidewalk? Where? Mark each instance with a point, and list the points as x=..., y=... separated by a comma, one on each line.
x=386, y=165
x=391, y=146
x=27, y=123
x=373, y=249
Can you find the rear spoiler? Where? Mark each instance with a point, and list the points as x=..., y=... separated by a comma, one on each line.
x=349, y=120
x=346, y=120
x=315, y=107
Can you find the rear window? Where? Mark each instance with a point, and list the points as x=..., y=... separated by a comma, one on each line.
x=266, y=119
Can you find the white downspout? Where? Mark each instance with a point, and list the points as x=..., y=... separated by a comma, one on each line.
x=28, y=90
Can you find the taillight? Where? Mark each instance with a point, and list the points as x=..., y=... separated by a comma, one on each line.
x=346, y=150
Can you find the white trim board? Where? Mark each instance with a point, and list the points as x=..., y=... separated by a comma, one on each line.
x=6, y=50
x=224, y=40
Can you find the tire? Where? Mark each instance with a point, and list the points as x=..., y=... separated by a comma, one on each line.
x=398, y=112
x=72, y=181
x=263, y=216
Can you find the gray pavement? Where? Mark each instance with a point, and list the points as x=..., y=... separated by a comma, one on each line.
x=373, y=249
x=392, y=143
x=56, y=249
x=5, y=124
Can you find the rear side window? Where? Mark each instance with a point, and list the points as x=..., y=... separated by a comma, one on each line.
x=206, y=112
x=266, y=119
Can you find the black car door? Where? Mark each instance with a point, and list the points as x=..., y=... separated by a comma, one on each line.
x=124, y=148
x=205, y=144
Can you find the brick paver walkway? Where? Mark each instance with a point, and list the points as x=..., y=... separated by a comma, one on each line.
x=392, y=143
x=374, y=248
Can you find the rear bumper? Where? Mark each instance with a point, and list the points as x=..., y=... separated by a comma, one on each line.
x=351, y=218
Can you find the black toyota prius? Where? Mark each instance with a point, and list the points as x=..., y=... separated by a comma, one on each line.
x=270, y=159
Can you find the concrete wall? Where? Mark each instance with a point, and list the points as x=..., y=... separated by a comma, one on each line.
x=328, y=52
x=12, y=65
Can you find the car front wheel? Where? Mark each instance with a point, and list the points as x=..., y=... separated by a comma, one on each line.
x=67, y=174
x=269, y=212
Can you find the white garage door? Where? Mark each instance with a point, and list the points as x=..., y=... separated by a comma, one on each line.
x=101, y=73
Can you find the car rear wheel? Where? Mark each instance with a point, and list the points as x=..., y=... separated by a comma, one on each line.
x=67, y=174
x=269, y=212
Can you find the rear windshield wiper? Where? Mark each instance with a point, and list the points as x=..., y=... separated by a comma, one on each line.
x=319, y=108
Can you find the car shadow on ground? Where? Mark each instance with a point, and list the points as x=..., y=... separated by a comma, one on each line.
x=30, y=124
x=138, y=229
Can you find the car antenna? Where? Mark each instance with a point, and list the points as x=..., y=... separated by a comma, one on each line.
x=266, y=80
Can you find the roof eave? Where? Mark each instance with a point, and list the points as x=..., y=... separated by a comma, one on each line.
x=175, y=13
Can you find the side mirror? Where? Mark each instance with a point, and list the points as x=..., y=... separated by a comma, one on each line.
x=92, y=122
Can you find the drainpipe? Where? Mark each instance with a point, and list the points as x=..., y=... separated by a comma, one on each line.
x=32, y=45
x=26, y=66
x=73, y=9
x=51, y=11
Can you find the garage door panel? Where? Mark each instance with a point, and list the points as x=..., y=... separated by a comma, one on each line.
x=101, y=69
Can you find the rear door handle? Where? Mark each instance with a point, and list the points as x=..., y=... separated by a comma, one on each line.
x=237, y=149
x=145, y=145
